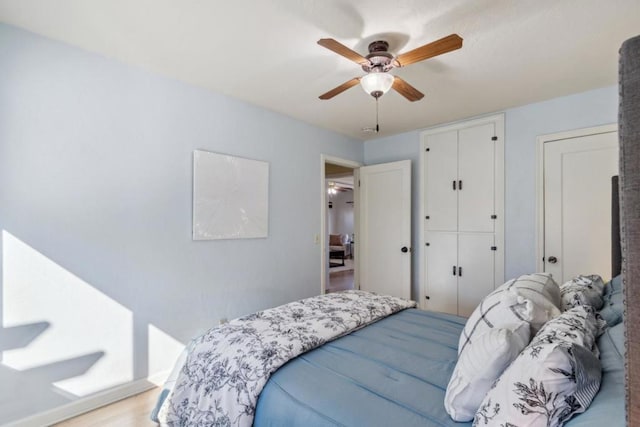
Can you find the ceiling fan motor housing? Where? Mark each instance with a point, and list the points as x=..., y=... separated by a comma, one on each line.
x=380, y=60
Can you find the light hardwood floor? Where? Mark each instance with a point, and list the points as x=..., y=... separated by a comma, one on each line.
x=340, y=281
x=131, y=412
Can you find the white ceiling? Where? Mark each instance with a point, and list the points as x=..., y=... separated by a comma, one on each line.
x=264, y=51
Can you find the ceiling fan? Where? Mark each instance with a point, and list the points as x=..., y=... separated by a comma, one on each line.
x=379, y=62
x=335, y=187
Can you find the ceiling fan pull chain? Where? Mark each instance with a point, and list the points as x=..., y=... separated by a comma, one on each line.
x=377, y=126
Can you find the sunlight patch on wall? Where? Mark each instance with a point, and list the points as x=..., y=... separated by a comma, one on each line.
x=163, y=352
x=84, y=322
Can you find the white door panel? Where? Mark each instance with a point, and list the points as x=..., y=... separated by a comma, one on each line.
x=385, y=200
x=577, y=209
x=476, y=273
x=476, y=169
x=441, y=171
x=441, y=257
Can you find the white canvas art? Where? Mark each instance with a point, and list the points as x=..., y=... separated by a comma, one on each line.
x=230, y=197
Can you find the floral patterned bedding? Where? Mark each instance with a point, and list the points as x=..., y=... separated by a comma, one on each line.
x=228, y=366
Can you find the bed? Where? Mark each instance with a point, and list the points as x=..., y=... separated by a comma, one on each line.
x=394, y=369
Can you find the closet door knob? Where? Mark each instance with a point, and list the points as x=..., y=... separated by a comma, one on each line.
x=404, y=249
x=552, y=260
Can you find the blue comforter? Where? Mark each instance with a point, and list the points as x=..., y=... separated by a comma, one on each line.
x=392, y=373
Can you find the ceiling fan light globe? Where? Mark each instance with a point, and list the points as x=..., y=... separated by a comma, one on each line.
x=376, y=84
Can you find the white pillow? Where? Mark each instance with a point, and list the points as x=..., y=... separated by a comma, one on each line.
x=582, y=290
x=542, y=290
x=480, y=365
x=533, y=298
x=553, y=378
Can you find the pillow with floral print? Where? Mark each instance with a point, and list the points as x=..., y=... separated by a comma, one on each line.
x=582, y=290
x=556, y=375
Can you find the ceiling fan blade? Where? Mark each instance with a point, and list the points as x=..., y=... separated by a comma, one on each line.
x=438, y=47
x=341, y=49
x=338, y=90
x=406, y=90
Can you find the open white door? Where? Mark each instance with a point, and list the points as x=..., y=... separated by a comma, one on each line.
x=385, y=229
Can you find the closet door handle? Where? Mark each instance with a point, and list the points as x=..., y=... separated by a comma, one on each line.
x=454, y=184
x=460, y=185
x=460, y=271
x=454, y=270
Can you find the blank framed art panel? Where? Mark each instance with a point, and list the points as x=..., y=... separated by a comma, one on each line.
x=230, y=197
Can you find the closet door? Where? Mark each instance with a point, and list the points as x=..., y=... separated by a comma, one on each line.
x=441, y=259
x=441, y=200
x=577, y=215
x=476, y=169
x=476, y=270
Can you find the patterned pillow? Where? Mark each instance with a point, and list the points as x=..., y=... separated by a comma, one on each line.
x=541, y=289
x=555, y=377
x=582, y=290
x=533, y=298
x=479, y=367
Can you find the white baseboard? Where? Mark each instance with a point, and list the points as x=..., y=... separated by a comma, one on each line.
x=160, y=378
x=83, y=405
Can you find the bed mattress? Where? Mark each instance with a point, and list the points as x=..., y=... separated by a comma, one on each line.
x=393, y=372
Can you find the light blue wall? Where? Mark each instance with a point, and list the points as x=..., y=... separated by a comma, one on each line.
x=96, y=174
x=523, y=125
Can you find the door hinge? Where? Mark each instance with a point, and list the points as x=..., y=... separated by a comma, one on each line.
x=494, y=248
x=494, y=138
x=494, y=216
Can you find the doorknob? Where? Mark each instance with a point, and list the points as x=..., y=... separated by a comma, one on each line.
x=552, y=260
x=404, y=249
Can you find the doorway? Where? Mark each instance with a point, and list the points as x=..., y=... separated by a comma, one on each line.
x=340, y=227
x=380, y=243
x=574, y=202
x=333, y=169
